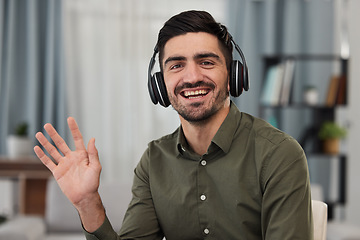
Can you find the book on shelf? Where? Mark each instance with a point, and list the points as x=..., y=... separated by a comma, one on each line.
x=341, y=94
x=332, y=91
x=278, y=83
x=287, y=81
x=272, y=85
x=336, y=93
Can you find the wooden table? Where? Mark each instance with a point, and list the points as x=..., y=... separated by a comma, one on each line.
x=32, y=177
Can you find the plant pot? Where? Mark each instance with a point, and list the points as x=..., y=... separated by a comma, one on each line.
x=331, y=146
x=18, y=146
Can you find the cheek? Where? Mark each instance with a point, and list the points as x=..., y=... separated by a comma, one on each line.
x=169, y=85
x=225, y=80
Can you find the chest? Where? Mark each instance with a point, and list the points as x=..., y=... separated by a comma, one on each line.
x=217, y=198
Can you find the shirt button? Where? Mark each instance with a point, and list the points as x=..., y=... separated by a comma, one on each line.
x=203, y=162
x=203, y=197
x=206, y=231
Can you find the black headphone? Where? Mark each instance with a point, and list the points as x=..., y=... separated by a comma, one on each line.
x=239, y=79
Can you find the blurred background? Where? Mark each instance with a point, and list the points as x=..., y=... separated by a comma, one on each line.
x=89, y=59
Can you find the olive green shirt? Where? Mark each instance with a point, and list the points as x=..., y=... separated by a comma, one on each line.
x=252, y=184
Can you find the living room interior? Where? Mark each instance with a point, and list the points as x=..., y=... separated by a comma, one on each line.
x=88, y=59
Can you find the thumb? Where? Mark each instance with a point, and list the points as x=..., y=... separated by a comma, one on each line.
x=93, y=152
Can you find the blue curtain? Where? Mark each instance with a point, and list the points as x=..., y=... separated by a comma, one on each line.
x=32, y=86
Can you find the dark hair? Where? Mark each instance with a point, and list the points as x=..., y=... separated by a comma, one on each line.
x=194, y=21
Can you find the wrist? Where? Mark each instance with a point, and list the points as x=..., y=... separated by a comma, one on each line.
x=91, y=212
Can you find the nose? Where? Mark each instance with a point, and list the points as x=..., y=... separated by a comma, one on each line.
x=192, y=73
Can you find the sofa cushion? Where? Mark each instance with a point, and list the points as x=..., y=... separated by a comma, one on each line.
x=65, y=236
x=23, y=228
x=61, y=216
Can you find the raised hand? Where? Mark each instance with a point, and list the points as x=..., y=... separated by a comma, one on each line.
x=77, y=172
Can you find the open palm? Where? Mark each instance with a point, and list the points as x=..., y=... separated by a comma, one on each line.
x=77, y=172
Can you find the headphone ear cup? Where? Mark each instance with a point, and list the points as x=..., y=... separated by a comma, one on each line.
x=151, y=88
x=159, y=89
x=246, y=82
x=236, y=80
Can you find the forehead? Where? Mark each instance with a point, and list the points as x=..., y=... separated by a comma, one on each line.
x=190, y=44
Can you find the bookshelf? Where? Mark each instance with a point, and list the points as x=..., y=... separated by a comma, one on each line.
x=287, y=109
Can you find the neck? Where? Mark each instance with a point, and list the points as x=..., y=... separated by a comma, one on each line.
x=200, y=134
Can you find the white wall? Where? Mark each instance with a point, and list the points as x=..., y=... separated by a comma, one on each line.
x=353, y=205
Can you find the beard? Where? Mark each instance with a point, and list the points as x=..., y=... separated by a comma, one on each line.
x=199, y=112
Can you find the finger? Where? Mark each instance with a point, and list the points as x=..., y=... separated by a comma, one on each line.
x=48, y=146
x=75, y=131
x=44, y=159
x=58, y=141
x=93, y=152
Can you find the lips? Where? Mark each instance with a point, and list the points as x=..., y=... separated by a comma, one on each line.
x=197, y=90
x=194, y=93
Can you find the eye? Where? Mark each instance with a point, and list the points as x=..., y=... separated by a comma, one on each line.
x=207, y=63
x=175, y=66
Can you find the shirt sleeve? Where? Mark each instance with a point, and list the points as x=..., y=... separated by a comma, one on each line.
x=286, y=206
x=140, y=221
x=105, y=231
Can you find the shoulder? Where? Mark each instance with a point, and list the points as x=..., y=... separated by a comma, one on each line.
x=274, y=151
x=270, y=142
x=264, y=132
x=156, y=150
x=166, y=144
x=169, y=140
x=256, y=129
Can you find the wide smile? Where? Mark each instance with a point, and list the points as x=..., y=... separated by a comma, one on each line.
x=194, y=94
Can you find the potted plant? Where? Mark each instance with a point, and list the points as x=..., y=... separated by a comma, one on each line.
x=331, y=133
x=19, y=144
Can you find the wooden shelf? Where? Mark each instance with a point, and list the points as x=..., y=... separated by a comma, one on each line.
x=32, y=177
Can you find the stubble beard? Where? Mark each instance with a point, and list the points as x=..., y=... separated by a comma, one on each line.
x=198, y=113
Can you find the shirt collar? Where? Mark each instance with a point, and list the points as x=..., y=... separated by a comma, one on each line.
x=223, y=138
x=182, y=144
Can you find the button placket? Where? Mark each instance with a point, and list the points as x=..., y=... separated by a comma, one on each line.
x=202, y=184
x=203, y=163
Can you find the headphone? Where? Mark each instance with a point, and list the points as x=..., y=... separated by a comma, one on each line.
x=238, y=82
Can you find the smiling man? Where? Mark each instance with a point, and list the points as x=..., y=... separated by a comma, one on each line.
x=196, y=78
x=223, y=174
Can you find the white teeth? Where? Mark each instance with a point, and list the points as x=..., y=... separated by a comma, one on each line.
x=193, y=93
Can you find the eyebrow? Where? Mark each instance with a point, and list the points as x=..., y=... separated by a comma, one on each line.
x=207, y=55
x=175, y=58
x=197, y=56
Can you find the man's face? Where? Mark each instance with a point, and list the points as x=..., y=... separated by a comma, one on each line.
x=195, y=75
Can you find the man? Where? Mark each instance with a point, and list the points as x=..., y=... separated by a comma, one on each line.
x=222, y=174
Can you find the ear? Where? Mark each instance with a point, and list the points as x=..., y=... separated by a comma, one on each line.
x=228, y=83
